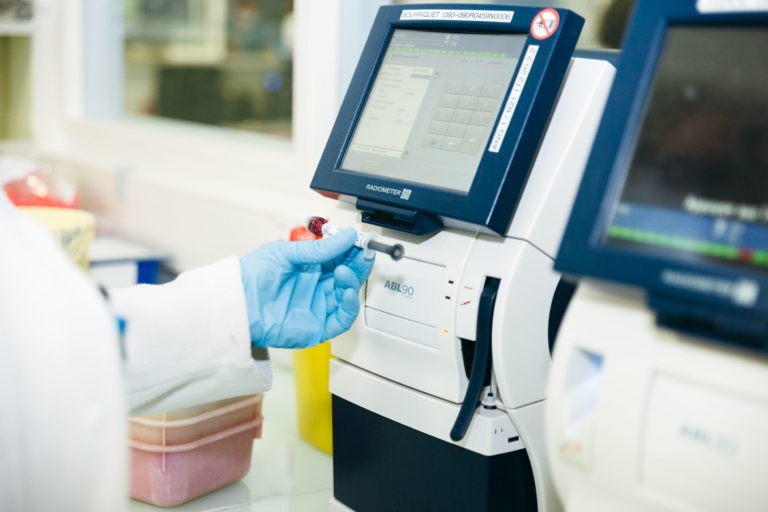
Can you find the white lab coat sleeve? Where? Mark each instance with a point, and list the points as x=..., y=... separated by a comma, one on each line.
x=187, y=342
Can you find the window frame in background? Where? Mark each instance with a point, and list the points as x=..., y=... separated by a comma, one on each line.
x=74, y=45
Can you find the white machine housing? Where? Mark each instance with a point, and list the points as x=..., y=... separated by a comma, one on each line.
x=403, y=358
x=642, y=418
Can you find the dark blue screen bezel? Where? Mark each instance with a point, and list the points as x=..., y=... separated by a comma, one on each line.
x=501, y=177
x=583, y=251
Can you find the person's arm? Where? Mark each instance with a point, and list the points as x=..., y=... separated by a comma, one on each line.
x=190, y=341
x=187, y=342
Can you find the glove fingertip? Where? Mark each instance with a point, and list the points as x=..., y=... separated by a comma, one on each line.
x=348, y=308
x=351, y=300
x=342, y=319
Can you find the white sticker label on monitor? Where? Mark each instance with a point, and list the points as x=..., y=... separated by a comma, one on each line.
x=731, y=5
x=514, y=96
x=456, y=15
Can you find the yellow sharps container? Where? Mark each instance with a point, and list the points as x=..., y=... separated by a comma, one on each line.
x=313, y=400
x=73, y=229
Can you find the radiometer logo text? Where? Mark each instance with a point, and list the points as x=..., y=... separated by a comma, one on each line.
x=742, y=292
x=402, y=193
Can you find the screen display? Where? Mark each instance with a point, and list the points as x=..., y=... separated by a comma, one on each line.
x=697, y=185
x=432, y=106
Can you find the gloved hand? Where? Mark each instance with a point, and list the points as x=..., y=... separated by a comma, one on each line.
x=301, y=293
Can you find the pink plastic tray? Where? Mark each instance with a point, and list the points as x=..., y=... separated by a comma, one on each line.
x=171, y=475
x=188, y=425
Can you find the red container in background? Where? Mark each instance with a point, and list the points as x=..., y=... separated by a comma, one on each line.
x=42, y=189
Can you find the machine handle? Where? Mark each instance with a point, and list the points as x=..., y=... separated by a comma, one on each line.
x=481, y=363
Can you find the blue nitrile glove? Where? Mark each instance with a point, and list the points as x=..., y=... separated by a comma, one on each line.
x=299, y=294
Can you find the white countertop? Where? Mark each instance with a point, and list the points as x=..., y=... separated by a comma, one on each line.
x=287, y=473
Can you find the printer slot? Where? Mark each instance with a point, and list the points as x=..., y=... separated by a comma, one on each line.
x=400, y=327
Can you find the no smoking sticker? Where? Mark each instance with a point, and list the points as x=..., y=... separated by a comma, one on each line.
x=545, y=23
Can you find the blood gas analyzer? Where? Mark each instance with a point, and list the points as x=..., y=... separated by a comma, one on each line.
x=462, y=138
x=658, y=392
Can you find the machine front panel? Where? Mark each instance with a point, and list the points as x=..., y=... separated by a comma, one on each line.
x=407, y=288
x=407, y=334
x=700, y=440
x=399, y=327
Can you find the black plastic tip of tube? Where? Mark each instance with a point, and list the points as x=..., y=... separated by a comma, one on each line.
x=396, y=251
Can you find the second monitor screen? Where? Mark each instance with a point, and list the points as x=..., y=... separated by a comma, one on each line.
x=696, y=184
x=432, y=106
